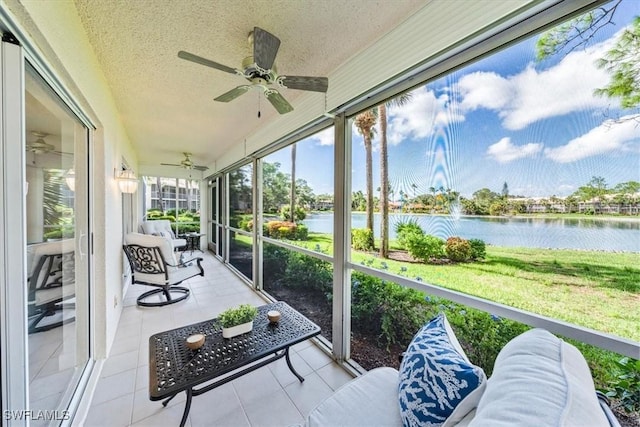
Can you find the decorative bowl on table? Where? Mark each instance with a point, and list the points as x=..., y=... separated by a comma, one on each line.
x=195, y=341
x=273, y=316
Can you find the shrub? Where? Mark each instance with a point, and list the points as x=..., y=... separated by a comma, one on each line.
x=171, y=218
x=362, y=239
x=626, y=386
x=386, y=309
x=482, y=335
x=478, y=249
x=405, y=229
x=59, y=233
x=457, y=249
x=424, y=247
x=286, y=230
x=243, y=223
x=286, y=214
x=307, y=272
x=274, y=259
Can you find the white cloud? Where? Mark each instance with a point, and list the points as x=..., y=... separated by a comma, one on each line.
x=325, y=137
x=609, y=136
x=419, y=118
x=504, y=151
x=533, y=95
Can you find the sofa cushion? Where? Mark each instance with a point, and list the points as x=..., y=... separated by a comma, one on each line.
x=438, y=384
x=369, y=400
x=538, y=379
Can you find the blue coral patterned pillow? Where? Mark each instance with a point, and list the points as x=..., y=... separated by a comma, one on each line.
x=438, y=384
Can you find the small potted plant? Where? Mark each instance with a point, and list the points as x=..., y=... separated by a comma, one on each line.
x=237, y=320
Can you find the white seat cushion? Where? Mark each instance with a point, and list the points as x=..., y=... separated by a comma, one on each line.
x=539, y=380
x=162, y=227
x=369, y=400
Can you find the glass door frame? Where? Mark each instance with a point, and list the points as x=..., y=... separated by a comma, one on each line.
x=15, y=53
x=13, y=329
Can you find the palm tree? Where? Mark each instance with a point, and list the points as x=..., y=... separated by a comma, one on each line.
x=384, y=171
x=365, y=123
x=160, y=198
x=292, y=201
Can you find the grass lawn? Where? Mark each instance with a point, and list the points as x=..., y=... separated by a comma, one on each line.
x=599, y=290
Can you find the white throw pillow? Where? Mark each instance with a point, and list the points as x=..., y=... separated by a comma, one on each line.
x=539, y=380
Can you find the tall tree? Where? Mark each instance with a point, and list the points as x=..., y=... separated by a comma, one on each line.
x=365, y=123
x=505, y=190
x=622, y=61
x=292, y=200
x=384, y=172
x=160, y=195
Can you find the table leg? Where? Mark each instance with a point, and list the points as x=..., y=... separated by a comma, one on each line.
x=187, y=407
x=286, y=356
x=166, y=402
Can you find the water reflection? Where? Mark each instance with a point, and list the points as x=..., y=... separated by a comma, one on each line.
x=570, y=233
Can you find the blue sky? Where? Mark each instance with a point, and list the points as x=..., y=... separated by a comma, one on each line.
x=506, y=118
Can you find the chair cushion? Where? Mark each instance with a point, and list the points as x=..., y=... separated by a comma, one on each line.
x=162, y=227
x=540, y=379
x=158, y=226
x=438, y=384
x=166, y=248
x=369, y=400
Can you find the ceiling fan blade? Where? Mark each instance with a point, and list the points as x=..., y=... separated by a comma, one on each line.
x=265, y=48
x=170, y=164
x=203, y=61
x=200, y=168
x=315, y=84
x=278, y=102
x=232, y=94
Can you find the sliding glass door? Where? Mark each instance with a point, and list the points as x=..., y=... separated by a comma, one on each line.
x=44, y=253
x=57, y=247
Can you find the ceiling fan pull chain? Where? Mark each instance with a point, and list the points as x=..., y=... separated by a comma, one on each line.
x=258, y=104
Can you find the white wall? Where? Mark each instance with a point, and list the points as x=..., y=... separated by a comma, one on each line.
x=54, y=28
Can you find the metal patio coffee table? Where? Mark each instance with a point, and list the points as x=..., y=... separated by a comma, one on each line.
x=174, y=368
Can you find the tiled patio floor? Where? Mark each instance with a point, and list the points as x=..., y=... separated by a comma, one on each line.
x=269, y=396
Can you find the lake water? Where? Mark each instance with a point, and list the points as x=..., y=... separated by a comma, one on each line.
x=587, y=233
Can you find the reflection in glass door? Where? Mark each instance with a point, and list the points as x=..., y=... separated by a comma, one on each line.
x=57, y=212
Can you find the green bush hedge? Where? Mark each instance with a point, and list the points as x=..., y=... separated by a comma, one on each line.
x=424, y=247
x=392, y=314
x=404, y=229
x=457, y=249
x=285, y=230
x=478, y=249
x=362, y=239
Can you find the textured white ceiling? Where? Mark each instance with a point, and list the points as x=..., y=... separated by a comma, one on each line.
x=167, y=104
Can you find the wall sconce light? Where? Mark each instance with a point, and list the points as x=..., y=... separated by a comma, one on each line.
x=70, y=179
x=127, y=181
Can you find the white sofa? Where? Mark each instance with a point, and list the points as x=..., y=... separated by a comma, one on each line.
x=162, y=227
x=538, y=380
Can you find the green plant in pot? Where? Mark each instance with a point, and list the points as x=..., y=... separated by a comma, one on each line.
x=237, y=320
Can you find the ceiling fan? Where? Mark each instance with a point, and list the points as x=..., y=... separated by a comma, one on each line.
x=187, y=163
x=40, y=146
x=261, y=72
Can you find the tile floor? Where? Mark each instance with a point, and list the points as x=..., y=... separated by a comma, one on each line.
x=269, y=396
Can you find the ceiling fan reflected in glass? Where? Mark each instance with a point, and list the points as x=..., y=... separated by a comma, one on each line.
x=40, y=146
x=261, y=72
x=186, y=163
